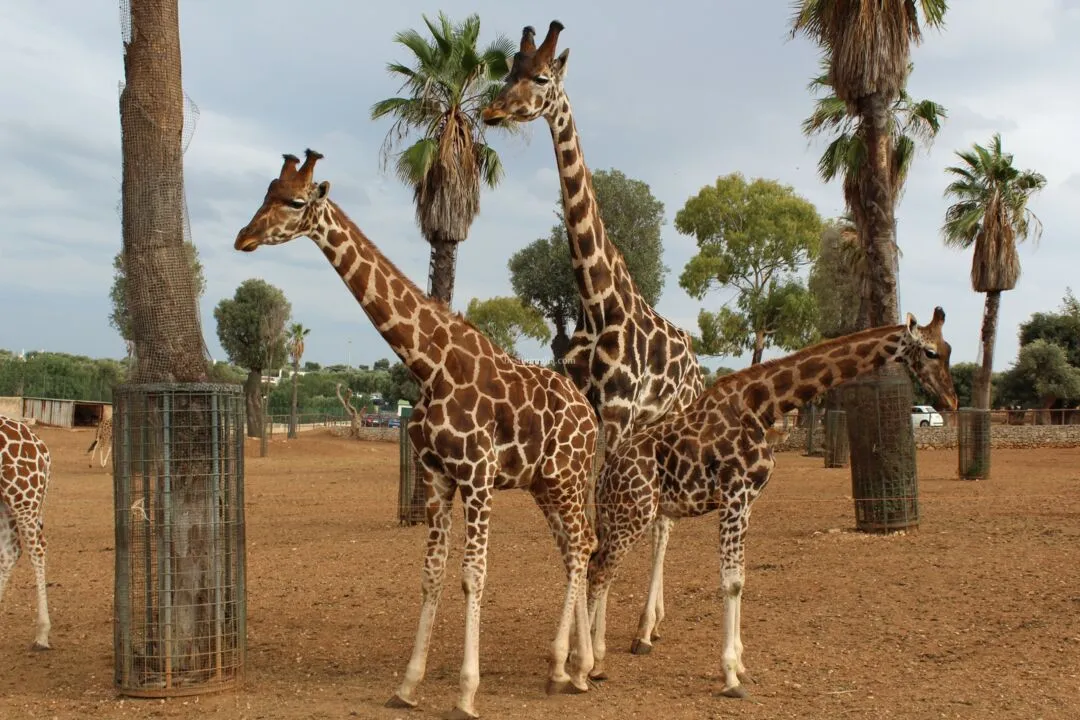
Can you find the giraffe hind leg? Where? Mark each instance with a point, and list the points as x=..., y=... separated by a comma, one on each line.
x=10, y=548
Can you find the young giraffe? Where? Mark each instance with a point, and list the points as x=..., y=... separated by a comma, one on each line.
x=716, y=457
x=632, y=363
x=484, y=421
x=24, y=480
x=102, y=442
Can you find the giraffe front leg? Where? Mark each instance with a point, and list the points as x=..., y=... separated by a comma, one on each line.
x=732, y=577
x=653, y=613
x=477, y=502
x=10, y=548
x=439, y=506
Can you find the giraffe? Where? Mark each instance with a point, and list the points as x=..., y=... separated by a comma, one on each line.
x=632, y=363
x=715, y=457
x=484, y=421
x=24, y=480
x=102, y=443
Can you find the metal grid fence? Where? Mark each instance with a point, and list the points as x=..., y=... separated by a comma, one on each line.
x=973, y=444
x=180, y=602
x=837, y=449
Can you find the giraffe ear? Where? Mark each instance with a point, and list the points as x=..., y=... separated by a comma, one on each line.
x=912, y=324
x=559, y=64
x=322, y=190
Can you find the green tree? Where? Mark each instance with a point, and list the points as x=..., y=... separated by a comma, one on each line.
x=753, y=237
x=400, y=385
x=1061, y=328
x=1041, y=376
x=251, y=329
x=294, y=345
x=506, y=320
x=383, y=364
x=446, y=84
x=836, y=280
x=990, y=214
x=119, y=318
x=542, y=274
x=867, y=50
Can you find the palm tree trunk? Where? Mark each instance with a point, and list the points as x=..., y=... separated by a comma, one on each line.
x=442, y=268
x=878, y=201
x=292, y=415
x=561, y=342
x=980, y=393
x=252, y=387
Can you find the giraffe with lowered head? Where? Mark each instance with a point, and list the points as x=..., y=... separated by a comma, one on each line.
x=716, y=457
x=24, y=480
x=485, y=421
x=634, y=365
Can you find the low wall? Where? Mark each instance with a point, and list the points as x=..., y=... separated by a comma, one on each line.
x=371, y=434
x=11, y=407
x=936, y=438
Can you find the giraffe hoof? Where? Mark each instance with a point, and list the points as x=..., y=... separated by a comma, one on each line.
x=735, y=691
x=573, y=689
x=599, y=676
x=459, y=714
x=640, y=647
x=40, y=647
x=556, y=687
x=745, y=678
x=400, y=703
x=654, y=636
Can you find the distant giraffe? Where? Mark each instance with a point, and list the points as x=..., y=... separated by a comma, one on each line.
x=484, y=421
x=716, y=457
x=103, y=442
x=24, y=481
x=633, y=364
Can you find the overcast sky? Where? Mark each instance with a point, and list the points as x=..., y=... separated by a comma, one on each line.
x=673, y=93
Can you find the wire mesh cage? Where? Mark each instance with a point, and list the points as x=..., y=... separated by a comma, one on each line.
x=180, y=595
x=813, y=420
x=973, y=443
x=884, y=481
x=411, y=501
x=836, y=439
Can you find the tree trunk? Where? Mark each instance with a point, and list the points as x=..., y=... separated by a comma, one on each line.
x=293, y=420
x=759, y=348
x=561, y=343
x=442, y=268
x=877, y=199
x=160, y=287
x=252, y=392
x=981, y=387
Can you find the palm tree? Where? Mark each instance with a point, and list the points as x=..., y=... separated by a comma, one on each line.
x=910, y=123
x=295, y=345
x=443, y=92
x=867, y=49
x=990, y=214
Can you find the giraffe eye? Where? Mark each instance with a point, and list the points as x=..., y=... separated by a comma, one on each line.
x=930, y=353
x=296, y=203
x=541, y=79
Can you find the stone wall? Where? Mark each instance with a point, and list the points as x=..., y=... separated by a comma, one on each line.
x=371, y=434
x=936, y=438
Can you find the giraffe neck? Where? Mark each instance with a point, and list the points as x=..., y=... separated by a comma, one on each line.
x=419, y=330
x=779, y=386
x=599, y=268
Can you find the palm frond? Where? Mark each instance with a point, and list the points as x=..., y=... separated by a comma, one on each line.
x=414, y=162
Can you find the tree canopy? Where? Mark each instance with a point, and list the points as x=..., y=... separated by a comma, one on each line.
x=753, y=237
x=835, y=280
x=542, y=278
x=251, y=325
x=506, y=320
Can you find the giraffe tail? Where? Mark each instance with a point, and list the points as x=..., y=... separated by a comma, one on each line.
x=92, y=446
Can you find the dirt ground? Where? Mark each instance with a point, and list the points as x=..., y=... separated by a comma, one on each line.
x=975, y=615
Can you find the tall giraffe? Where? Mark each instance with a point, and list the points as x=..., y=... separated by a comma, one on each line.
x=716, y=456
x=484, y=421
x=634, y=365
x=24, y=480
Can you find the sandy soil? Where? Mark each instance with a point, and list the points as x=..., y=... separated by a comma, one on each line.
x=976, y=615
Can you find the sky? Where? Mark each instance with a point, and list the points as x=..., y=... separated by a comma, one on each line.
x=674, y=94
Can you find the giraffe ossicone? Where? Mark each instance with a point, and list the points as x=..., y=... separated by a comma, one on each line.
x=25, y=465
x=715, y=457
x=633, y=364
x=484, y=421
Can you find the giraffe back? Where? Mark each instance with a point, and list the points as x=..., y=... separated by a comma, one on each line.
x=25, y=464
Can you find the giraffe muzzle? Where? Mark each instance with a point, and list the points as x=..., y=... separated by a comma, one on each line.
x=245, y=244
x=493, y=116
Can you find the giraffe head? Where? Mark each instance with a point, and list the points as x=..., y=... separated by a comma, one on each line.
x=535, y=83
x=291, y=206
x=927, y=353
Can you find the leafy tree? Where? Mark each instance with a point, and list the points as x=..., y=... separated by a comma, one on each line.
x=445, y=86
x=990, y=214
x=312, y=366
x=543, y=277
x=1041, y=376
x=383, y=364
x=753, y=237
x=1061, y=328
x=835, y=280
x=401, y=386
x=506, y=320
x=295, y=347
x=119, y=317
x=251, y=329
x=867, y=50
